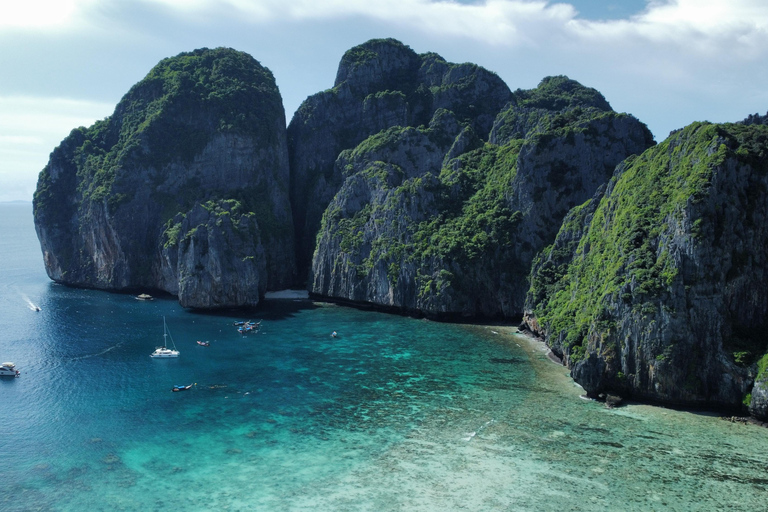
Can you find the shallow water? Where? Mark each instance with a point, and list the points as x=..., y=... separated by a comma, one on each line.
x=394, y=414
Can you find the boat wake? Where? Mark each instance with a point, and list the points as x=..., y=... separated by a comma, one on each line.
x=98, y=353
x=31, y=305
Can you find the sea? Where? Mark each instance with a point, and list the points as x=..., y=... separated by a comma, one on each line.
x=394, y=414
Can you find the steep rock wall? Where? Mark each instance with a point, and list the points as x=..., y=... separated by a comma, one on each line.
x=444, y=224
x=657, y=289
x=379, y=84
x=203, y=126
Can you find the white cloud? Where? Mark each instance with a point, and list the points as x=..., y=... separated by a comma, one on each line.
x=38, y=14
x=737, y=29
x=29, y=129
x=702, y=25
x=711, y=16
x=674, y=62
x=512, y=22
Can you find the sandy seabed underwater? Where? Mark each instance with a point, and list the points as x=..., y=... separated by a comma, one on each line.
x=394, y=414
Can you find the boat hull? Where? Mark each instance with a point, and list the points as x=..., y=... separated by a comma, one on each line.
x=161, y=355
x=8, y=370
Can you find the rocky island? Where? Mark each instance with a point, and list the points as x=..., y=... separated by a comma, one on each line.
x=183, y=189
x=655, y=287
x=432, y=188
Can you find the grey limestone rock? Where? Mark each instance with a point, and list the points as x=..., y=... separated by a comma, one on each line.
x=116, y=197
x=379, y=84
x=454, y=226
x=656, y=289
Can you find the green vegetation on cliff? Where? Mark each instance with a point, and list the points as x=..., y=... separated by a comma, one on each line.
x=203, y=127
x=227, y=88
x=439, y=206
x=625, y=253
x=474, y=218
x=170, y=116
x=379, y=85
x=442, y=207
x=557, y=93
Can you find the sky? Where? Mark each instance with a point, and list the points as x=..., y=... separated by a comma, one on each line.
x=67, y=63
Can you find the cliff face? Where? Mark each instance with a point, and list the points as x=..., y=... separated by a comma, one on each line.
x=161, y=194
x=379, y=84
x=657, y=288
x=430, y=187
x=438, y=221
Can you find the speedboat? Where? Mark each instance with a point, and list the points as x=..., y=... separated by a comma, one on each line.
x=9, y=370
x=181, y=388
x=203, y=343
x=164, y=351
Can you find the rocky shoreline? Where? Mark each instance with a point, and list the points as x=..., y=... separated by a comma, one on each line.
x=418, y=186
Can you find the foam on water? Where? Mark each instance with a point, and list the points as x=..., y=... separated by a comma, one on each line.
x=394, y=414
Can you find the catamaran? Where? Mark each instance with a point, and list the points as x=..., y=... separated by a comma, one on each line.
x=164, y=351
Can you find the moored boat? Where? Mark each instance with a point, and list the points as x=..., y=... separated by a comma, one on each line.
x=164, y=351
x=9, y=370
x=203, y=343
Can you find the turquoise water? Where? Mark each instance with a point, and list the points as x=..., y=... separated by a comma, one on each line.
x=395, y=414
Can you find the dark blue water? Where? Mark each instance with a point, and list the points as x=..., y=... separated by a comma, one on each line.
x=394, y=414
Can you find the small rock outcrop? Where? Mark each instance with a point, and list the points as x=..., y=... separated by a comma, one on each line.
x=182, y=189
x=657, y=288
x=437, y=221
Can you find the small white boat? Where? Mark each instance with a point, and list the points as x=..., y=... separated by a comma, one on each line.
x=9, y=370
x=164, y=351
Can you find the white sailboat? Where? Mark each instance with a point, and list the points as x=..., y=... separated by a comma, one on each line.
x=164, y=351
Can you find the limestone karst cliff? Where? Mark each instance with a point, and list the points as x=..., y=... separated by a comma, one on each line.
x=656, y=287
x=432, y=188
x=446, y=219
x=182, y=189
x=379, y=84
